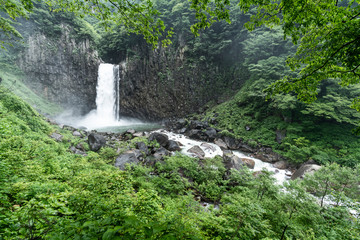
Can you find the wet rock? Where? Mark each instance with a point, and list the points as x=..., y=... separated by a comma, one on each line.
x=221, y=143
x=76, y=134
x=281, y=165
x=305, y=169
x=270, y=158
x=231, y=143
x=248, y=162
x=208, y=146
x=211, y=134
x=232, y=161
x=182, y=130
x=126, y=158
x=138, y=134
x=245, y=148
x=96, y=142
x=161, y=153
x=130, y=131
x=196, y=134
x=180, y=123
x=161, y=138
x=197, y=151
x=57, y=137
x=173, y=146
x=142, y=147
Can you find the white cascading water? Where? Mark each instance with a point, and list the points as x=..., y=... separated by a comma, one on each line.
x=107, y=111
x=106, y=92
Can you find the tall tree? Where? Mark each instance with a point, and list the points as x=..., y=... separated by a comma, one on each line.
x=326, y=31
x=138, y=16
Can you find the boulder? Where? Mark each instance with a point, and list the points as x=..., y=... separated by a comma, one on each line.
x=128, y=157
x=96, y=142
x=76, y=134
x=208, y=146
x=232, y=161
x=161, y=153
x=211, y=134
x=57, y=137
x=180, y=123
x=221, y=143
x=173, y=146
x=281, y=165
x=138, y=134
x=231, y=143
x=305, y=169
x=142, y=147
x=182, y=130
x=248, y=162
x=196, y=134
x=197, y=151
x=195, y=124
x=130, y=131
x=161, y=138
x=245, y=148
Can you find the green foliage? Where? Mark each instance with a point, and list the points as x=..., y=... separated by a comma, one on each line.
x=46, y=192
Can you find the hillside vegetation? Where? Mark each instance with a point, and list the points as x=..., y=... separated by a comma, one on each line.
x=47, y=192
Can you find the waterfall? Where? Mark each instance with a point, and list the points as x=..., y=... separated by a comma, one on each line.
x=107, y=92
x=106, y=116
x=107, y=112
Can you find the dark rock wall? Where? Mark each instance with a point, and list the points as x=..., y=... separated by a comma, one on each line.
x=164, y=83
x=63, y=71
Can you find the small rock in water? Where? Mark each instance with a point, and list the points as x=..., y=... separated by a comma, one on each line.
x=248, y=162
x=131, y=131
x=197, y=151
x=208, y=146
x=281, y=165
x=138, y=134
x=305, y=169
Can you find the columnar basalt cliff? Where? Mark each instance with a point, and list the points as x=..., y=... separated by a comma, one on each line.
x=163, y=83
x=63, y=71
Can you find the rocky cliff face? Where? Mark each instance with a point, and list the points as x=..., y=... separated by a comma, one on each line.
x=61, y=70
x=163, y=83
